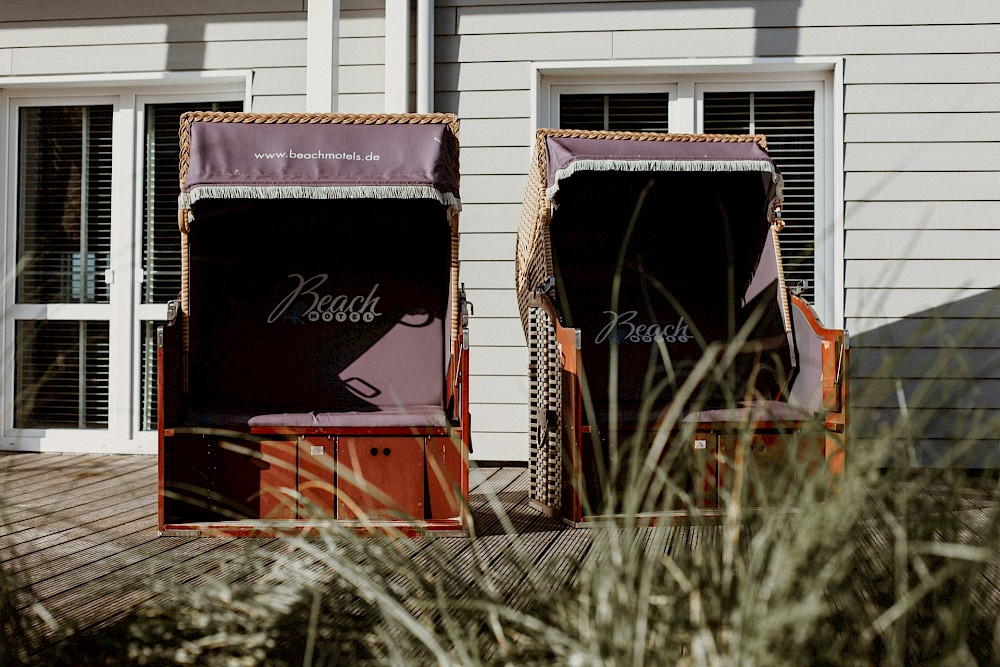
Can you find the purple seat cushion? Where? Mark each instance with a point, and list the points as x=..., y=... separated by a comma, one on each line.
x=405, y=417
x=760, y=411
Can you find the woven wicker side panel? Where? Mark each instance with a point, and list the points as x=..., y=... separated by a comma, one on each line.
x=456, y=315
x=782, y=287
x=534, y=416
x=531, y=267
x=545, y=462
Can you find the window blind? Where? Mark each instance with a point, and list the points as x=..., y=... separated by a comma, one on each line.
x=161, y=239
x=61, y=374
x=787, y=119
x=623, y=112
x=64, y=204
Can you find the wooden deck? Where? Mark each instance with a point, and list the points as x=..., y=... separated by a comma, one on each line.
x=79, y=531
x=78, y=536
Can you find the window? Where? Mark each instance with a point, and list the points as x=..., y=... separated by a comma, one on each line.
x=63, y=249
x=623, y=112
x=61, y=376
x=94, y=256
x=161, y=238
x=786, y=118
x=788, y=113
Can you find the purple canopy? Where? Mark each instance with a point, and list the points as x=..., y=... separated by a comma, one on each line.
x=568, y=155
x=320, y=161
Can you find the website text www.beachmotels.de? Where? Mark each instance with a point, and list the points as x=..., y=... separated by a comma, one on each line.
x=317, y=155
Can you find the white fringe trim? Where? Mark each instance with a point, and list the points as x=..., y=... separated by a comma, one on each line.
x=665, y=165
x=199, y=192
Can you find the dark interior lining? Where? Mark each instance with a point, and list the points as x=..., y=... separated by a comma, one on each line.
x=696, y=243
x=266, y=335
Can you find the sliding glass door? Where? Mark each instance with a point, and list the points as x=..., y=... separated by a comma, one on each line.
x=92, y=258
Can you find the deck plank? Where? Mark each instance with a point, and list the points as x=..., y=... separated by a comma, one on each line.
x=131, y=481
x=79, y=533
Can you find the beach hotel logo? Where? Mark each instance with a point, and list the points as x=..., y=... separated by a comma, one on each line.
x=623, y=329
x=307, y=303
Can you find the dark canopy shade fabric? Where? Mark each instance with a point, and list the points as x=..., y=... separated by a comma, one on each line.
x=319, y=160
x=661, y=244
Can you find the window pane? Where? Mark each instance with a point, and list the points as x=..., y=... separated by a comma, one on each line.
x=161, y=240
x=634, y=112
x=147, y=377
x=61, y=374
x=787, y=119
x=64, y=204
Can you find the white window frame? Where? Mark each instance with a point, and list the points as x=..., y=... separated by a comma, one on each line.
x=146, y=312
x=687, y=81
x=128, y=95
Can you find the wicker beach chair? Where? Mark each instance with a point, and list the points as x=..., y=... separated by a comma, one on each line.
x=315, y=367
x=653, y=301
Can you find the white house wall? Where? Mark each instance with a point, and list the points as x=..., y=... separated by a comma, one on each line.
x=920, y=133
x=921, y=164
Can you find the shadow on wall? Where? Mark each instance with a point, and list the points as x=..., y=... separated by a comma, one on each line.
x=777, y=27
x=931, y=381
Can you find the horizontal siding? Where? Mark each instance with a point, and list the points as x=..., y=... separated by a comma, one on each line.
x=485, y=104
x=503, y=17
x=488, y=274
x=501, y=419
x=498, y=446
x=923, y=67
x=928, y=244
x=737, y=42
x=490, y=217
x=362, y=61
x=922, y=215
x=493, y=302
x=493, y=189
x=964, y=427
x=272, y=44
x=934, y=302
x=355, y=79
x=511, y=160
x=983, y=394
x=921, y=133
x=930, y=332
x=112, y=58
x=922, y=127
x=364, y=103
x=279, y=103
x=482, y=76
x=909, y=186
x=927, y=157
x=497, y=331
x=476, y=247
x=921, y=273
x=197, y=28
x=500, y=390
x=922, y=98
x=280, y=81
x=496, y=131
x=531, y=46
x=930, y=364
x=498, y=361
x=27, y=10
